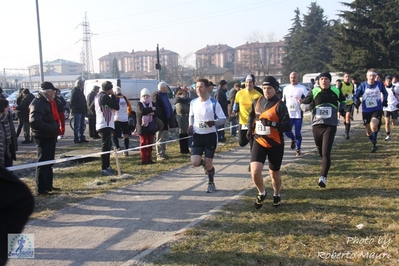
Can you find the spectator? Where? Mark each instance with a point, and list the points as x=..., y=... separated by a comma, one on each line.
x=146, y=128
x=105, y=105
x=61, y=113
x=23, y=109
x=233, y=118
x=221, y=97
x=160, y=97
x=44, y=121
x=1, y=93
x=17, y=112
x=182, y=111
x=16, y=205
x=8, y=137
x=79, y=111
x=92, y=112
x=121, y=120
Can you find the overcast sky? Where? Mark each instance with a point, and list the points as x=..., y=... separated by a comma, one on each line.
x=183, y=26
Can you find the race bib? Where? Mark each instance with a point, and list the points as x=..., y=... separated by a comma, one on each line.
x=348, y=97
x=370, y=103
x=201, y=124
x=323, y=112
x=261, y=129
x=292, y=107
x=244, y=127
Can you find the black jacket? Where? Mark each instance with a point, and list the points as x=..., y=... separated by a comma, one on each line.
x=60, y=103
x=144, y=110
x=41, y=119
x=91, y=111
x=221, y=97
x=78, y=101
x=168, y=123
x=23, y=107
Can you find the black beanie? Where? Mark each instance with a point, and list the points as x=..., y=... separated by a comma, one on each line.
x=271, y=81
x=325, y=75
x=106, y=86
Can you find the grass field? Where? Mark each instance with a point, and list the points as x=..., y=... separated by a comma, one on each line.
x=354, y=221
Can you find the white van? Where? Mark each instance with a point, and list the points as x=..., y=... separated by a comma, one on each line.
x=131, y=88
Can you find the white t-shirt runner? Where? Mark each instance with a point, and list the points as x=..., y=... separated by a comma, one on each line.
x=202, y=112
x=291, y=94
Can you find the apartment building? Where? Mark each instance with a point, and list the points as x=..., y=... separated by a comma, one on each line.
x=58, y=66
x=138, y=62
x=220, y=55
x=260, y=59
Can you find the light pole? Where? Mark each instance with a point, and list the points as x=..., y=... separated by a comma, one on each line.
x=40, y=42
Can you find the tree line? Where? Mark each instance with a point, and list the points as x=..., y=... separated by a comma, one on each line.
x=365, y=36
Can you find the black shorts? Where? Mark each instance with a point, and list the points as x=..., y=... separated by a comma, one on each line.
x=393, y=114
x=367, y=116
x=121, y=127
x=274, y=155
x=349, y=108
x=204, y=143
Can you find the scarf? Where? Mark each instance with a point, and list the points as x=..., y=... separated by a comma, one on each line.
x=146, y=119
x=54, y=110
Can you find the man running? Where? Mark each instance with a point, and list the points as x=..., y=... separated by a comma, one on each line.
x=205, y=115
x=293, y=96
x=348, y=89
x=372, y=105
x=267, y=121
x=391, y=111
x=325, y=100
x=242, y=106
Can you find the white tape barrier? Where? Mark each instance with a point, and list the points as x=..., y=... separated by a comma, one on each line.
x=31, y=165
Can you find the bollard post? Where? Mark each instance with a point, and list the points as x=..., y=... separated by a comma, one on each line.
x=118, y=166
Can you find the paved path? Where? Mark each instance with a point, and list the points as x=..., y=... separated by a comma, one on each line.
x=122, y=226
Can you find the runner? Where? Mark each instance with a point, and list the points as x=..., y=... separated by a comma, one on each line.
x=391, y=111
x=348, y=89
x=242, y=106
x=267, y=121
x=205, y=115
x=293, y=96
x=372, y=105
x=325, y=100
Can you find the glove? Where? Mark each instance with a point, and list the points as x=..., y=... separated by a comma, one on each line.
x=190, y=130
x=385, y=103
x=249, y=134
x=210, y=123
x=397, y=106
x=357, y=104
x=342, y=112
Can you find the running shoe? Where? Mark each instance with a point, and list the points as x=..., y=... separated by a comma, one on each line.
x=276, y=201
x=374, y=149
x=293, y=144
x=259, y=200
x=322, y=181
x=211, y=188
x=388, y=138
x=298, y=153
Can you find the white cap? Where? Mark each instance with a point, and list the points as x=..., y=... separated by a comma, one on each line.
x=249, y=77
x=145, y=91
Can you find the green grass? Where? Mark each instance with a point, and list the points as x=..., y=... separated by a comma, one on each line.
x=313, y=226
